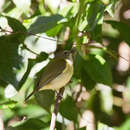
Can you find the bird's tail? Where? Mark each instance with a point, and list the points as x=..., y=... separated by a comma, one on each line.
x=29, y=95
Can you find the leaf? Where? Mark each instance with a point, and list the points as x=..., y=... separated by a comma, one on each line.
x=70, y=10
x=45, y=98
x=32, y=111
x=98, y=70
x=31, y=62
x=10, y=60
x=125, y=125
x=68, y=109
x=15, y=25
x=92, y=18
x=87, y=81
x=95, y=14
x=97, y=33
x=54, y=31
x=123, y=28
x=95, y=20
x=78, y=65
x=31, y=124
x=7, y=104
x=128, y=82
x=44, y=23
x=80, y=73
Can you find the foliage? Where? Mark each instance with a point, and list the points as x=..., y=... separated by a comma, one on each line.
x=30, y=32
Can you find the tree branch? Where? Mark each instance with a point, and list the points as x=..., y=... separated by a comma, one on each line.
x=54, y=114
x=1, y=122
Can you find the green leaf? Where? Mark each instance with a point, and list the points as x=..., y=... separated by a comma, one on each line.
x=7, y=114
x=10, y=60
x=31, y=62
x=45, y=98
x=128, y=82
x=110, y=7
x=15, y=25
x=78, y=65
x=54, y=31
x=7, y=104
x=87, y=81
x=95, y=20
x=97, y=33
x=44, y=23
x=91, y=18
x=80, y=73
x=98, y=69
x=123, y=28
x=95, y=14
x=124, y=126
x=32, y=111
x=31, y=124
x=70, y=10
x=68, y=109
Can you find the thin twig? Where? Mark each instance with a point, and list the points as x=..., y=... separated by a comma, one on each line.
x=54, y=114
x=25, y=47
x=29, y=33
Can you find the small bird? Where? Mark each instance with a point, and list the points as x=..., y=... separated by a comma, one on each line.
x=56, y=74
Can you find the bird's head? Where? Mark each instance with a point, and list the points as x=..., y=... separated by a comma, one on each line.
x=66, y=54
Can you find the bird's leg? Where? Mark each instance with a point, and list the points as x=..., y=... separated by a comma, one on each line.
x=59, y=94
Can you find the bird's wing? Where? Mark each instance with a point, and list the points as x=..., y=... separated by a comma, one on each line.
x=51, y=71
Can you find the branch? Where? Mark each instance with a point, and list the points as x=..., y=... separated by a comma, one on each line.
x=54, y=114
x=1, y=122
x=29, y=33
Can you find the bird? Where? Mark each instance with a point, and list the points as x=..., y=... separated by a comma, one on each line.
x=56, y=74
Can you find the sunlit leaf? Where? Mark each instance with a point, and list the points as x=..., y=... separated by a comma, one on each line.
x=44, y=23
x=123, y=28
x=7, y=104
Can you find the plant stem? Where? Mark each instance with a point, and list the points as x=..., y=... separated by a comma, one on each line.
x=29, y=33
x=54, y=114
x=25, y=47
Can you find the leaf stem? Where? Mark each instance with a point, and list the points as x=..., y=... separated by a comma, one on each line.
x=25, y=47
